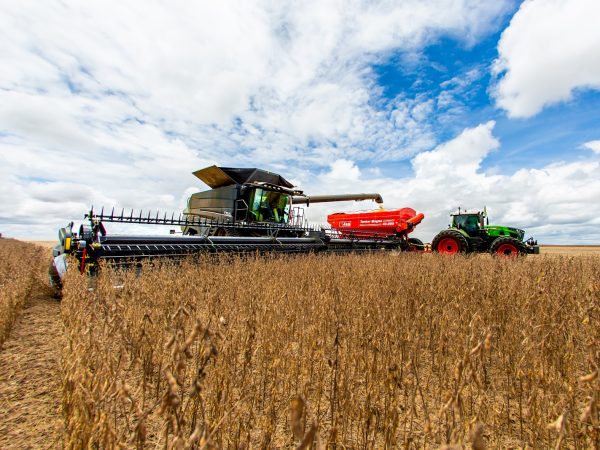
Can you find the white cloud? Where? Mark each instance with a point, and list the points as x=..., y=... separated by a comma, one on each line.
x=549, y=50
x=458, y=156
x=556, y=204
x=342, y=169
x=113, y=102
x=296, y=73
x=593, y=146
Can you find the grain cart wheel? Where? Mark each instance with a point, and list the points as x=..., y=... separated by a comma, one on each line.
x=508, y=247
x=449, y=242
x=415, y=245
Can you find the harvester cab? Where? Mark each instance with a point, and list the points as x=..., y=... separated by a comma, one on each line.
x=471, y=232
x=239, y=196
x=252, y=202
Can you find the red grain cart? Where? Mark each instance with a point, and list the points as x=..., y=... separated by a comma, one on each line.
x=394, y=222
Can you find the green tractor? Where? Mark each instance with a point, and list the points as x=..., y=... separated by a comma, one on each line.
x=471, y=232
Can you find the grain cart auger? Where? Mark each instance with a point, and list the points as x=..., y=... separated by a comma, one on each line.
x=471, y=232
x=246, y=211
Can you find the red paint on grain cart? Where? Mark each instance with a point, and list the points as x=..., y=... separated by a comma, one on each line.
x=395, y=221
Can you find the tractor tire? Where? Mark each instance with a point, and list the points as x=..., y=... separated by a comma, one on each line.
x=449, y=242
x=508, y=247
x=415, y=245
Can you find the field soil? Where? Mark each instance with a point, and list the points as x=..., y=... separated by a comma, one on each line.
x=45, y=244
x=29, y=380
x=570, y=250
x=29, y=354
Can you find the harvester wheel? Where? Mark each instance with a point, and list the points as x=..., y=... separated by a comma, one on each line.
x=55, y=281
x=220, y=232
x=449, y=242
x=415, y=245
x=226, y=232
x=508, y=247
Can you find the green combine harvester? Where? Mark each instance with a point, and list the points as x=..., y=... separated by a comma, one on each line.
x=471, y=232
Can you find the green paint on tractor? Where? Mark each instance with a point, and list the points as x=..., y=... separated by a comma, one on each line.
x=470, y=232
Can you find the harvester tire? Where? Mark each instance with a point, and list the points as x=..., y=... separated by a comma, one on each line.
x=508, y=247
x=55, y=281
x=221, y=231
x=415, y=245
x=449, y=242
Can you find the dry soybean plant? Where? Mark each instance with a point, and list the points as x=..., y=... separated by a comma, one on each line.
x=21, y=270
x=325, y=351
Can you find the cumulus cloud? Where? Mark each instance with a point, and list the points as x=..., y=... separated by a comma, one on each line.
x=458, y=156
x=593, y=146
x=549, y=50
x=113, y=102
x=556, y=203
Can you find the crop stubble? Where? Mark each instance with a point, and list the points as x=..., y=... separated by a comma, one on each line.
x=360, y=351
x=20, y=265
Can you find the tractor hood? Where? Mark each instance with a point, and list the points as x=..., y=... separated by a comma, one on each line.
x=499, y=230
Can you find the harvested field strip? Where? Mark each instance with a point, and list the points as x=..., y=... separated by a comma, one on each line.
x=386, y=351
x=22, y=268
x=30, y=414
x=581, y=250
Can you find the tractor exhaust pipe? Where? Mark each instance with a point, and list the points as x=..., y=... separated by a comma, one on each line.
x=307, y=200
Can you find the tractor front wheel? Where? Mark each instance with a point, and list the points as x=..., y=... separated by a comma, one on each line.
x=508, y=247
x=449, y=242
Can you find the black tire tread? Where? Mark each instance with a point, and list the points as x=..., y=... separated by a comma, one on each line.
x=463, y=244
x=415, y=245
x=508, y=240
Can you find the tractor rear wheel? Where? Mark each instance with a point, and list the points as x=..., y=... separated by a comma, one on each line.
x=508, y=247
x=449, y=242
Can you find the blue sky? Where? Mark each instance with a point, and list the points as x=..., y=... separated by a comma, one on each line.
x=435, y=104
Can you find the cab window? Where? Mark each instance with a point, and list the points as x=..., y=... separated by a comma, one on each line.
x=269, y=206
x=468, y=223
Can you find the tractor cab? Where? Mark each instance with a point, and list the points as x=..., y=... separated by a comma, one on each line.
x=471, y=223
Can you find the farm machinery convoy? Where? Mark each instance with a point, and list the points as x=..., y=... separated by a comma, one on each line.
x=255, y=211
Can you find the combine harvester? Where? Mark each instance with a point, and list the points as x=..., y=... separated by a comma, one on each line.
x=245, y=211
